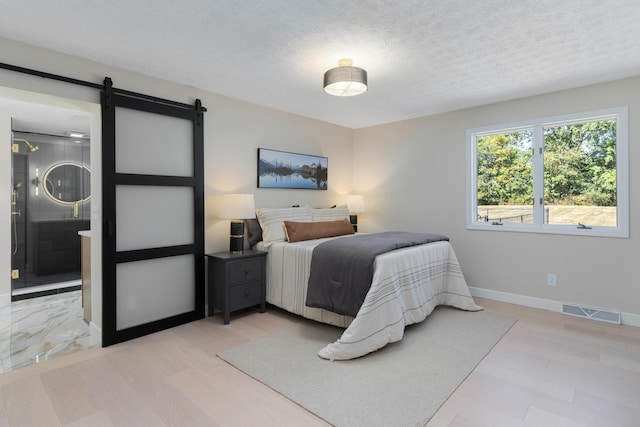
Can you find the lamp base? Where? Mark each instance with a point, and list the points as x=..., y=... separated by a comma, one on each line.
x=353, y=219
x=236, y=237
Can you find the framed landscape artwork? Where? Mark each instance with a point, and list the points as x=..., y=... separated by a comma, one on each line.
x=282, y=169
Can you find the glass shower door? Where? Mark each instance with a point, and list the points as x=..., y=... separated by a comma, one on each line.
x=51, y=180
x=19, y=173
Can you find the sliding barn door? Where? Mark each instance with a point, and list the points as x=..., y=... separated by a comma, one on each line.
x=153, y=212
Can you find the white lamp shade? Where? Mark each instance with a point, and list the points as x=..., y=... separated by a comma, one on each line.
x=355, y=202
x=237, y=206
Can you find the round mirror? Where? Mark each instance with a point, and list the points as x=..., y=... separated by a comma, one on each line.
x=67, y=183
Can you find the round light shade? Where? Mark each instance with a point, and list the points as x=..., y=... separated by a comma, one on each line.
x=345, y=80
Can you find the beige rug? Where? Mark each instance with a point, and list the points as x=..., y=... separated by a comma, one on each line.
x=403, y=384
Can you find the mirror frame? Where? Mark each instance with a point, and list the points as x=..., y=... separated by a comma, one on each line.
x=52, y=168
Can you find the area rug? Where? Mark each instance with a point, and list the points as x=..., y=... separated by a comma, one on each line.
x=402, y=384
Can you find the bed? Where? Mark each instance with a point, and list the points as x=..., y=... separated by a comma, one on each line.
x=407, y=284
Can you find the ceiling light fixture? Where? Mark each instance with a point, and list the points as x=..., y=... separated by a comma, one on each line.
x=345, y=80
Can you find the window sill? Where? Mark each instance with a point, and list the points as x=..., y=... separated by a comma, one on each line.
x=617, y=232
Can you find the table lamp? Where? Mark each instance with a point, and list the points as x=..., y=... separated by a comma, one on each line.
x=355, y=202
x=237, y=208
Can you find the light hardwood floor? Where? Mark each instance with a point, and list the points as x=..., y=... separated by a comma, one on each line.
x=548, y=370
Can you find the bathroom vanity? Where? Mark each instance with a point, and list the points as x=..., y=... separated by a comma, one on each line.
x=55, y=246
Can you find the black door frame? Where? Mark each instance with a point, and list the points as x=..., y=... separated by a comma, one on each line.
x=110, y=99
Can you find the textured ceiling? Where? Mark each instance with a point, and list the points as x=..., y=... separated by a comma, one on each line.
x=422, y=57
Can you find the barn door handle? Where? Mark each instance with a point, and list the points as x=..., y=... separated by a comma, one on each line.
x=108, y=228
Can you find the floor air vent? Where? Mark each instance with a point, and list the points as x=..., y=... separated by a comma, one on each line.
x=603, y=315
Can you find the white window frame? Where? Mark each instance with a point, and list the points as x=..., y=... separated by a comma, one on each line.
x=538, y=226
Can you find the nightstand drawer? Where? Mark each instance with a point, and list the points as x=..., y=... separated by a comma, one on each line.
x=236, y=281
x=245, y=295
x=240, y=272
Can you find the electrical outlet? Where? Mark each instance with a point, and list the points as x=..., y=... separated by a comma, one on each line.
x=15, y=274
x=551, y=280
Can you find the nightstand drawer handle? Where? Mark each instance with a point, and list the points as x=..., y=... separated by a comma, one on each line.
x=246, y=272
x=246, y=293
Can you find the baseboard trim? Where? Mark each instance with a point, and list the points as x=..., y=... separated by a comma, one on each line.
x=544, y=304
x=630, y=319
x=96, y=333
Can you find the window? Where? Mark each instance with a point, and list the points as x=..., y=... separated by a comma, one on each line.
x=565, y=175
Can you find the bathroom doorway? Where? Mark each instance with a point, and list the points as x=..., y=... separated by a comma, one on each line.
x=48, y=175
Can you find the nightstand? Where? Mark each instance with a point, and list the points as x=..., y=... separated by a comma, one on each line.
x=236, y=281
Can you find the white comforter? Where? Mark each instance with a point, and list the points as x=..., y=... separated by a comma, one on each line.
x=407, y=285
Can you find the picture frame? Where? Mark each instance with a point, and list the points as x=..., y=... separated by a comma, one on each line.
x=284, y=169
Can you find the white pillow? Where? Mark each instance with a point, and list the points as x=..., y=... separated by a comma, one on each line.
x=330, y=214
x=272, y=222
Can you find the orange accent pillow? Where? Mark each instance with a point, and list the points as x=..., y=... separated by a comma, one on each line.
x=299, y=231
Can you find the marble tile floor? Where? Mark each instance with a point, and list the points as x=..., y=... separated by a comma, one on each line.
x=39, y=329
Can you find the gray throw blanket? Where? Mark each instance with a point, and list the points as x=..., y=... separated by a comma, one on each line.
x=342, y=268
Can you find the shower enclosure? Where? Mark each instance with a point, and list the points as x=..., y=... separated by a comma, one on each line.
x=50, y=203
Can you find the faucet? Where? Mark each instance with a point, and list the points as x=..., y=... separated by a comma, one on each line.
x=14, y=200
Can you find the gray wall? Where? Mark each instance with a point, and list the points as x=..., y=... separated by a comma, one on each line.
x=233, y=132
x=413, y=175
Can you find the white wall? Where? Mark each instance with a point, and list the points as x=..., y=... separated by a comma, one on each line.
x=5, y=210
x=233, y=131
x=413, y=176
